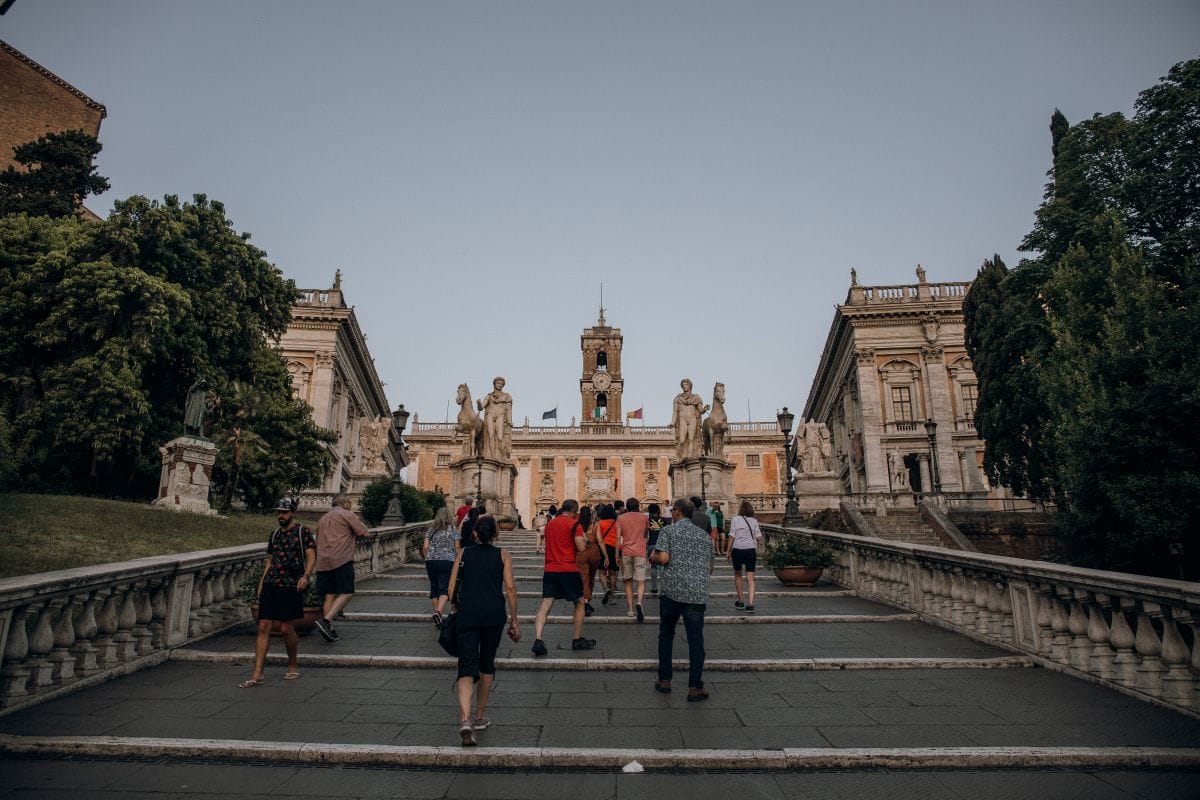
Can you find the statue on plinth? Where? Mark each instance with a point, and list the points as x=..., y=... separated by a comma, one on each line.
x=685, y=420
x=372, y=441
x=716, y=425
x=195, y=408
x=497, y=422
x=899, y=471
x=818, y=451
x=469, y=424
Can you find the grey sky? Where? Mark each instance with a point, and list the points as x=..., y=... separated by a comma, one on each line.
x=477, y=169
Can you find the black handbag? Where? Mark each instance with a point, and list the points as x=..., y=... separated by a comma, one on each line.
x=448, y=635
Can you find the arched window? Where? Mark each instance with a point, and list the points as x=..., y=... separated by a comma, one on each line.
x=601, y=405
x=602, y=361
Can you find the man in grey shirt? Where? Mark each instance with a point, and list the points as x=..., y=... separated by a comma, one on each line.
x=685, y=551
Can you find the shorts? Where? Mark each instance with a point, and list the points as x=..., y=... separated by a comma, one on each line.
x=562, y=585
x=633, y=568
x=747, y=557
x=477, y=645
x=280, y=603
x=336, y=581
x=439, y=577
x=614, y=560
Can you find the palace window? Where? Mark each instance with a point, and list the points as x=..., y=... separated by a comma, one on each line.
x=753, y=460
x=599, y=463
x=902, y=410
x=443, y=459
x=650, y=463
x=970, y=397
x=547, y=464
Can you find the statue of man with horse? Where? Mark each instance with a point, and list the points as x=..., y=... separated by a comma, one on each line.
x=469, y=424
x=716, y=425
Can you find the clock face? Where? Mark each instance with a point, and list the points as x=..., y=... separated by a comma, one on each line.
x=601, y=380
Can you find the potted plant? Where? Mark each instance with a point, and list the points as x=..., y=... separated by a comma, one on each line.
x=506, y=523
x=312, y=604
x=799, y=560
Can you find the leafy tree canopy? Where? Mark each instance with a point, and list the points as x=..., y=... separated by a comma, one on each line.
x=58, y=174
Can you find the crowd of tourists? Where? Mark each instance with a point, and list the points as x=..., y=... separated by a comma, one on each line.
x=617, y=545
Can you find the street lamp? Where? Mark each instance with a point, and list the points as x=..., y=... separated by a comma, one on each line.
x=703, y=496
x=931, y=431
x=792, y=510
x=479, y=483
x=393, y=515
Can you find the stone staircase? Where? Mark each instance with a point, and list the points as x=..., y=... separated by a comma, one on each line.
x=821, y=693
x=902, y=526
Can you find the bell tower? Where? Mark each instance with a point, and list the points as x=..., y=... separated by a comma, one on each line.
x=601, y=385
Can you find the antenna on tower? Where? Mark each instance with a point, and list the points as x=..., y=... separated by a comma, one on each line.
x=601, y=323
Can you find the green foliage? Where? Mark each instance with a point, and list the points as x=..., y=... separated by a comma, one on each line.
x=1101, y=402
x=374, y=501
x=58, y=175
x=415, y=504
x=792, y=550
x=104, y=326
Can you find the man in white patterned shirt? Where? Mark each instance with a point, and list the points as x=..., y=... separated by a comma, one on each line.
x=685, y=551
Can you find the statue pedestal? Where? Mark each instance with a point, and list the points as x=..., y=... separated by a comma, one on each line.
x=716, y=483
x=818, y=490
x=186, y=474
x=487, y=476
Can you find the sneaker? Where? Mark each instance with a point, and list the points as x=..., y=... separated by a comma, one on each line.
x=467, y=731
x=582, y=644
x=654, y=592
x=662, y=686
x=481, y=723
x=695, y=695
x=539, y=647
x=739, y=604
x=641, y=615
x=333, y=632
x=630, y=613
x=607, y=598
x=749, y=609
x=437, y=620
x=325, y=629
x=588, y=609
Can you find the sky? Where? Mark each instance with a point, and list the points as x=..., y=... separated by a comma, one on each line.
x=478, y=170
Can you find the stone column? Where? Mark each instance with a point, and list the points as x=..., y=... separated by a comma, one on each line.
x=322, y=389
x=940, y=409
x=872, y=421
x=926, y=476
x=521, y=492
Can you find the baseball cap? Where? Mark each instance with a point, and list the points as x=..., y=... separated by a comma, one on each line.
x=285, y=504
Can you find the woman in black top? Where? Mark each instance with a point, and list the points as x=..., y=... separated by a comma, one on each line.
x=487, y=577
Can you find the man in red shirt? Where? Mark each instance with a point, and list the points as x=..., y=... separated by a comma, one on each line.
x=461, y=512
x=560, y=577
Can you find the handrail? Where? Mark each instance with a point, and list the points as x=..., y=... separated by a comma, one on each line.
x=1134, y=633
x=71, y=628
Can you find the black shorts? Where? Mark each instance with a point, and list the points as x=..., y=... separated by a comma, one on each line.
x=439, y=577
x=336, y=581
x=280, y=603
x=747, y=558
x=614, y=559
x=562, y=585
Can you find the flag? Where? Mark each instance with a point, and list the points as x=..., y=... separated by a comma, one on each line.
x=634, y=414
x=551, y=414
x=599, y=412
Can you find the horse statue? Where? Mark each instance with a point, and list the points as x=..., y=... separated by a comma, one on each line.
x=468, y=423
x=716, y=425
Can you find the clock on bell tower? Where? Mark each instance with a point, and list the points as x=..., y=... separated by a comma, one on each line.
x=601, y=385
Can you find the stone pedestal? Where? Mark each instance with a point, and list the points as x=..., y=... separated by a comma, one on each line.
x=717, y=480
x=186, y=474
x=487, y=475
x=818, y=490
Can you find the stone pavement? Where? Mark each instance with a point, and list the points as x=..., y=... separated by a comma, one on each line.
x=820, y=694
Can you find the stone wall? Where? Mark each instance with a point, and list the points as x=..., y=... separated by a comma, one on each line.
x=1013, y=534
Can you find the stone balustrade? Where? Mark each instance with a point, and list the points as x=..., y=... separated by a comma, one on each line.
x=1138, y=634
x=63, y=630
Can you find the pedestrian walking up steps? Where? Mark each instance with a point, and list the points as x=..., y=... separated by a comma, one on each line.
x=817, y=679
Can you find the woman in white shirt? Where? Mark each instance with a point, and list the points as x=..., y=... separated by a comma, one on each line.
x=746, y=536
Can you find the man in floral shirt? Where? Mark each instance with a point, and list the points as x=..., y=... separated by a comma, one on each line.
x=686, y=552
x=291, y=559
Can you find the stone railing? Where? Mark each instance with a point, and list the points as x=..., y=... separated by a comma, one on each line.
x=1134, y=633
x=60, y=631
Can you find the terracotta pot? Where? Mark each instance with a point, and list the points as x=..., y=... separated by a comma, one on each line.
x=302, y=625
x=799, y=576
x=506, y=526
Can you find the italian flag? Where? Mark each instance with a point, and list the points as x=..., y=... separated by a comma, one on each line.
x=598, y=412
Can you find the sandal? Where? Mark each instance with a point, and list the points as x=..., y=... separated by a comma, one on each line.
x=291, y=676
x=251, y=683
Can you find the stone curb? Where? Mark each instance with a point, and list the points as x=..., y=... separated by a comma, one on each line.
x=709, y=619
x=801, y=593
x=605, y=758
x=614, y=664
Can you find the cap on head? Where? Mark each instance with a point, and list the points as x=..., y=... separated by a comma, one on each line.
x=285, y=504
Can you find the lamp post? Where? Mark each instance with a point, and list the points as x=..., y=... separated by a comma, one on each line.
x=393, y=515
x=931, y=431
x=792, y=510
x=703, y=471
x=479, y=483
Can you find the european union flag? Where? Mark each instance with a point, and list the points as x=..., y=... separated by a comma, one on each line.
x=551, y=414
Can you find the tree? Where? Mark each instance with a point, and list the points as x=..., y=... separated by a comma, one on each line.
x=1112, y=300
x=58, y=175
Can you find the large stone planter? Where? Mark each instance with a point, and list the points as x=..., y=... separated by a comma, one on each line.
x=799, y=576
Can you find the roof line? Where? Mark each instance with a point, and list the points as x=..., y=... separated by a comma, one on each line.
x=5, y=46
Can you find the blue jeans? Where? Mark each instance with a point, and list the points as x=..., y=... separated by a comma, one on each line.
x=669, y=612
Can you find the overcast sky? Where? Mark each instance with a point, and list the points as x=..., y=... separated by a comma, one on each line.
x=478, y=169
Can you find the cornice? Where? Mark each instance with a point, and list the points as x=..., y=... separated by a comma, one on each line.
x=29, y=62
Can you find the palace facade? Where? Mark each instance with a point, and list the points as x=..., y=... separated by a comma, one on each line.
x=599, y=458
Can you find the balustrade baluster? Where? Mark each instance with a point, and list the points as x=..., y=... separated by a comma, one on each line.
x=1061, y=625
x=1120, y=635
x=995, y=615
x=85, y=631
x=106, y=629
x=925, y=585
x=126, y=619
x=208, y=613
x=60, y=658
x=1007, y=631
x=1042, y=615
x=15, y=673
x=979, y=600
x=1178, y=683
x=1077, y=624
x=158, y=614
x=143, y=613
x=41, y=642
x=1149, y=648
x=197, y=614
x=957, y=595
x=1101, y=662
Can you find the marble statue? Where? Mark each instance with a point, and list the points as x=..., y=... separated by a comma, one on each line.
x=685, y=420
x=195, y=409
x=372, y=440
x=898, y=469
x=469, y=424
x=497, y=422
x=716, y=425
x=818, y=450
